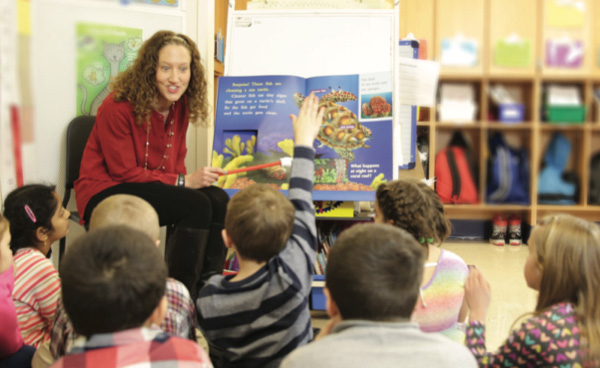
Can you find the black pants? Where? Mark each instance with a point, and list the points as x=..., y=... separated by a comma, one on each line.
x=197, y=250
x=192, y=208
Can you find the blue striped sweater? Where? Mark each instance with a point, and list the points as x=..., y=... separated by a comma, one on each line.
x=260, y=319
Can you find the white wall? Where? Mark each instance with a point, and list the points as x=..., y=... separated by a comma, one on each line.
x=54, y=78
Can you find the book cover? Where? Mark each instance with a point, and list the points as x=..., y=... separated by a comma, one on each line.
x=353, y=148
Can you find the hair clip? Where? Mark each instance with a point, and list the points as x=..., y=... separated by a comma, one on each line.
x=422, y=240
x=30, y=213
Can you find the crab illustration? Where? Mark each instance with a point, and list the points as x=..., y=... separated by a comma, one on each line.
x=340, y=129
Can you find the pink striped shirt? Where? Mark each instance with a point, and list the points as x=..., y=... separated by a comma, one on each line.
x=36, y=294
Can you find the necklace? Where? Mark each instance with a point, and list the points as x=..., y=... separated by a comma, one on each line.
x=167, y=148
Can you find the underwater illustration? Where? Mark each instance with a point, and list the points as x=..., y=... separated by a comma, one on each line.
x=254, y=136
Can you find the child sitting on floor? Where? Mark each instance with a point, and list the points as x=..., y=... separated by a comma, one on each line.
x=113, y=287
x=125, y=209
x=261, y=314
x=564, y=266
x=374, y=273
x=13, y=352
x=37, y=219
x=411, y=205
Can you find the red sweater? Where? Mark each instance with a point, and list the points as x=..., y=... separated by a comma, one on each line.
x=115, y=151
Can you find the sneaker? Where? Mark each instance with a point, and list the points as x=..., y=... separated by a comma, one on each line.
x=498, y=230
x=514, y=230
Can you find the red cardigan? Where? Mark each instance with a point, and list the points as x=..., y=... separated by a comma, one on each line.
x=115, y=151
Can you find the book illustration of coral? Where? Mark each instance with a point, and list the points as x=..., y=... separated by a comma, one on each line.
x=377, y=107
x=341, y=130
x=238, y=154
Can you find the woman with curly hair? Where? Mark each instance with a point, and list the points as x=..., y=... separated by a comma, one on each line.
x=138, y=147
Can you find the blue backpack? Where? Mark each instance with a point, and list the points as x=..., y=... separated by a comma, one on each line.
x=555, y=185
x=508, y=173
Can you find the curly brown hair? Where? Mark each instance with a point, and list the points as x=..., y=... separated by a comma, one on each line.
x=414, y=207
x=137, y=84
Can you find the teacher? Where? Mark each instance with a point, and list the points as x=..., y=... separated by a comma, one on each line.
x=138, y=147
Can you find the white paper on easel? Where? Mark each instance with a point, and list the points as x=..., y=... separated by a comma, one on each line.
x=417, y=80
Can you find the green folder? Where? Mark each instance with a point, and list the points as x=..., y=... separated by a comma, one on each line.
x=513, y=54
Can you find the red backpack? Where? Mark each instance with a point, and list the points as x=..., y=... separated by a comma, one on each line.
x=453, y=175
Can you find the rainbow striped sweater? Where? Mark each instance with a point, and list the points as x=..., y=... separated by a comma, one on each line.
x=441, y=298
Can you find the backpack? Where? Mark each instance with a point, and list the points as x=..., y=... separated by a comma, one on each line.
x=508, y=173
x=594, y=195
x=453, y=173
x=555, y=185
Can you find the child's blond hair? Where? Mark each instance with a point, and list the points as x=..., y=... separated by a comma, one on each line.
x=568, y=255
x=126, y=209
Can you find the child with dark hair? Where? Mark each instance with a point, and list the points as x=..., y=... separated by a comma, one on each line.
x=13, y=352
x=113, y=286
x=37, y=219
x=125, y=209
x=373, y=279
x=411, y=205
x=261, y=314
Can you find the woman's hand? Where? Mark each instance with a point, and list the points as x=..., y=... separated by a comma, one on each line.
x=203, y=177
x=477, y=295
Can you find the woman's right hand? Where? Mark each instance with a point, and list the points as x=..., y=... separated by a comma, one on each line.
x=477, y=295
x=203, y=177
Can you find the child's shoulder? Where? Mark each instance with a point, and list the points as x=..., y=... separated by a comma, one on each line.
x=452, y=259
x=30, y=255
x=559, y=320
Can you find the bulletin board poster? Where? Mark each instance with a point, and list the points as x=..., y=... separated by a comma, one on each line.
x=103, y=51
x=353, y=146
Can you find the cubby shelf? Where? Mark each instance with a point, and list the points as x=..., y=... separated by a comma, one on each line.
x=487, y=22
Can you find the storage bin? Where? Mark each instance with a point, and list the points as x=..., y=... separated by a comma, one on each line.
x=511, y=113
x=566, y=114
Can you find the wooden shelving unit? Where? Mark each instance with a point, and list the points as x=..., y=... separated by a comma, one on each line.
x=488, y=21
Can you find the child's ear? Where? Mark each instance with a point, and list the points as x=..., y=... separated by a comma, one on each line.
x=157, y=242
x=160, y=312
x=226, y=239
x=330, y=305
x=41, y=234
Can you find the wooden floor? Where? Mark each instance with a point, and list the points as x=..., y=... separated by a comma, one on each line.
x=503, y=267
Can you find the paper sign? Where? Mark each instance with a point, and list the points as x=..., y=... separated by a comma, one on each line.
x=565, y=13
x=459, y=51
x=564, y=53
x=513, y=54
x=418, y=81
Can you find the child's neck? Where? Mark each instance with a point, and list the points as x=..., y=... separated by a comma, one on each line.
x=248, y=268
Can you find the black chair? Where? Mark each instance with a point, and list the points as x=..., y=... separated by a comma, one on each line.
x=78, y=131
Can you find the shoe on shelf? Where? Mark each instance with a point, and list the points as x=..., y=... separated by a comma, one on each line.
x=499, y=224
x=514, y=230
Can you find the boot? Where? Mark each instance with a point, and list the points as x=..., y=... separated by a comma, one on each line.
x=214, y=256
x=185, y=252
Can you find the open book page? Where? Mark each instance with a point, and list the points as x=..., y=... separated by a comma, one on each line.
x=353, y=148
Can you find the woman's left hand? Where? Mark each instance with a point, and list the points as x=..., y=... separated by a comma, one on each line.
x=203, y=177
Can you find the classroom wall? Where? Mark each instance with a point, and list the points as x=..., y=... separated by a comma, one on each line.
x=51, y=52
x=52, y=58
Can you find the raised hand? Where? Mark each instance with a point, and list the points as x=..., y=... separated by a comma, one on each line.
x=308, y=122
